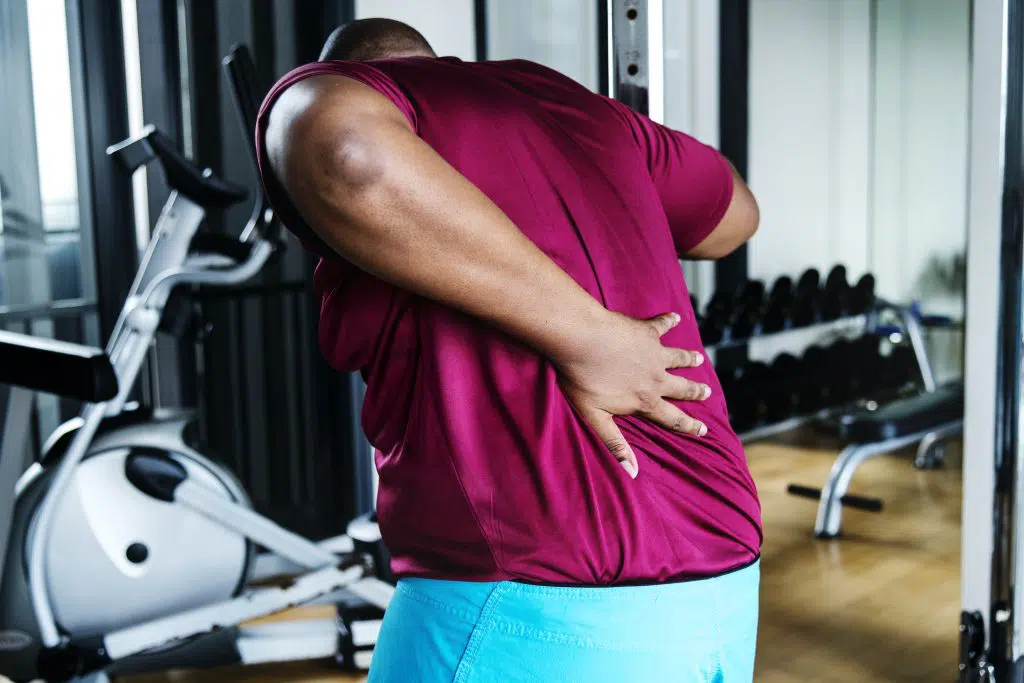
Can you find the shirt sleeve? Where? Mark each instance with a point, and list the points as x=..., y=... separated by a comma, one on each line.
x=279, y=200
x=694, y=181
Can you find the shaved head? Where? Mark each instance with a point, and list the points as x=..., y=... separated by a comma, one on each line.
x=367, y=39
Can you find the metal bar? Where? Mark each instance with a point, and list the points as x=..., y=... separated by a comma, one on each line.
x=83, y=171
x=1003, y=620
x=733, y=116
x=12, y=459
x=830, y=510
x=604, y=47
x=288, y=641
x=840, y=325
x=630, y=61
x=987, y=122
x=56, y=309
x=480, y=29
x=111, y=206
x=256, y=527
x=251, y=605
x=49, y=635
x=268, y=565
x=924, y=364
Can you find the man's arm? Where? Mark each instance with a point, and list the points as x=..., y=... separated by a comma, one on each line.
x=383, y=199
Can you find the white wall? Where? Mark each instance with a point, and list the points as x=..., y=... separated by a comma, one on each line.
x=446, y=24
x=691, y=94
x=921, y=141
x=858, y=138
x=561, y=34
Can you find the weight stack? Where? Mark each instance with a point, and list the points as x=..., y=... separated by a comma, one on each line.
x=358, y=627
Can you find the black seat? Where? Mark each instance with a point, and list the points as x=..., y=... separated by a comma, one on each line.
x=906, y=416
x=183, y=175
x=56, y=367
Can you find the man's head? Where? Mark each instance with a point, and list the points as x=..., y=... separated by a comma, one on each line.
x=368, y=39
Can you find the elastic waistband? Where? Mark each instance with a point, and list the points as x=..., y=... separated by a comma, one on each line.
x=465, y=599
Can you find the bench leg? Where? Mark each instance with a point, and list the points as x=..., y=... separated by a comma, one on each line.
x=931, y=450
x=830, y=507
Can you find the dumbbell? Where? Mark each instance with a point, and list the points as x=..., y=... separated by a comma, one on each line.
x=805, y=299
x=900, y=369
x=747, y=403
x=742, y=409
x=836, y=294
x=873, y=360
x=841, y=372
x=854, y=369
x=716, y=318
x=786, y=395
x=739, y=399
x=862, y=296
x=780, y=305
x=748, y=309
x=825, y=368
x=757, y=378
x=867, y=359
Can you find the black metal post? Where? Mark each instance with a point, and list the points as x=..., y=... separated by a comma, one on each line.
x=604, y=47
x=480, y=29
x=1008, y=358
x=106, y=115
x=733, y=115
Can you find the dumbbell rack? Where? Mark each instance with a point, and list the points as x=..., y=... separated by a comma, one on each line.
x=821, y=326
x=910, y=325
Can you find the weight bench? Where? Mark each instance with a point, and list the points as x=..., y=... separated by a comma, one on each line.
x=927, y=419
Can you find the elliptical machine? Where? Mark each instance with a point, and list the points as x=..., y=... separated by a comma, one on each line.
x=124, y=548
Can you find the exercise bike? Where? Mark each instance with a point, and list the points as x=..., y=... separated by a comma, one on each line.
x=124, y=548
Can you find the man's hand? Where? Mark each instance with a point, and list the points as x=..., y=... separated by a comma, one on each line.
x=622, y=369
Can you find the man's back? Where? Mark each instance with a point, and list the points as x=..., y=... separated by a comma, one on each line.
x=485, y=470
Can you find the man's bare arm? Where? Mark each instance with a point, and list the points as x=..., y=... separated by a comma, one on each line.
x=383, y=199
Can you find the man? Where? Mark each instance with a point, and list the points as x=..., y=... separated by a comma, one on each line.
x=499, y=259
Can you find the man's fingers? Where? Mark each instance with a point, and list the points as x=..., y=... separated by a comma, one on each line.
x=681, y=358
x=603, y=424
x=664, y=322
x=683, y=389
x=670, y=417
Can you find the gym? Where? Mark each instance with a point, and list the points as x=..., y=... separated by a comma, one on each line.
x=187, y=490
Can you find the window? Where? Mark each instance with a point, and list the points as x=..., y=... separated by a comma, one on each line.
x=40, y=236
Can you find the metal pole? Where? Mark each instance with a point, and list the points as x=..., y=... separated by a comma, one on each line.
x=13, y=451
x=1004, y=645
x=634, y=69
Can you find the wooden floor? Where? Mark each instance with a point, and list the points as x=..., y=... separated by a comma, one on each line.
x=879, y=606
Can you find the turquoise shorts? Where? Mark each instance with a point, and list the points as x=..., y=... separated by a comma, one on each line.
x=506, y=632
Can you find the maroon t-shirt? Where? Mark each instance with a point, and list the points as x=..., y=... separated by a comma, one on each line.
x=486, y=472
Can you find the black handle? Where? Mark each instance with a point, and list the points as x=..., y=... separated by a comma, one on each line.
x=849, y=500
x=240, y=70
x=803, y=491
x=861, y=503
